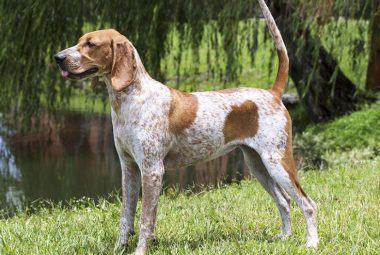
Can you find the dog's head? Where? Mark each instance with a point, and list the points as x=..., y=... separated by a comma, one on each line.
x=100, y=53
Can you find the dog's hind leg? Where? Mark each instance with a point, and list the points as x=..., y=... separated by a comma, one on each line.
x=281, y=198
x=283, y=172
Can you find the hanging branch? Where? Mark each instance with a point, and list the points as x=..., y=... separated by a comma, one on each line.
x=32, y=31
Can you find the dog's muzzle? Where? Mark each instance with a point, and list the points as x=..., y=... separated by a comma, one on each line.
x=73, y=54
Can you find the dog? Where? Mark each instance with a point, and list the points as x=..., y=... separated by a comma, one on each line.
x=156, y=128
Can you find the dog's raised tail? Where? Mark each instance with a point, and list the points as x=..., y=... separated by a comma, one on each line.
x=283, y=66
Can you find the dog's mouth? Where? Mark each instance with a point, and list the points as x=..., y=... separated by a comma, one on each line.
x=78, y=76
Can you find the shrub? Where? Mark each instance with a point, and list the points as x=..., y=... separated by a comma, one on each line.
x=355, y=136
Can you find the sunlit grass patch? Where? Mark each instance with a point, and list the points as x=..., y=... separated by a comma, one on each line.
x=353, y=137
x=239, y=219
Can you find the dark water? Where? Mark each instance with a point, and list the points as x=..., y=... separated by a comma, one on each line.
x=72, y=155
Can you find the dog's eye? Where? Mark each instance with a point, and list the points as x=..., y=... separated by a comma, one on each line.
x=90, y=44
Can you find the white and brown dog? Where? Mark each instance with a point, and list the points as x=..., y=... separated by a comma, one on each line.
x=157, y=128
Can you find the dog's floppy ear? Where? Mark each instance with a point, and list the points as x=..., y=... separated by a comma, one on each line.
x=123, y=65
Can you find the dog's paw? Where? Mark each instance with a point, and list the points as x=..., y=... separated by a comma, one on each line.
x=131, y=232
x=120, y=246
x=312, y=243
x=283, y=236
x=139, y=251
x=122, y=243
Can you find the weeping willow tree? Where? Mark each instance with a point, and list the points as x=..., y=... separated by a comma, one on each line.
x=325, y=89
x=32, y=31
x=373, y=74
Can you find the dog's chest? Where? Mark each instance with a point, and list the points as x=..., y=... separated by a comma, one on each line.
x=140, y=127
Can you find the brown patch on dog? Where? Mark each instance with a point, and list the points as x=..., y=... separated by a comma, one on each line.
x=101, y=53
x=183, y=110
x=277, y=98
x=282, y=74
x=124, y=65
x=241, y=122
x=109, y=51
x=287, y=160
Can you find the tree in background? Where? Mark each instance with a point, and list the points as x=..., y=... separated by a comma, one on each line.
x=32, y=32
x=373, y=74
x=327, y=92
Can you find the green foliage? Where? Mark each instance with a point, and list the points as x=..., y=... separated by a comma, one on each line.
x=260, y=73
x=354, y=137
x=32, y=32
x=239, y=219
x=205, y=71
x=219, y=32
x=347, y=41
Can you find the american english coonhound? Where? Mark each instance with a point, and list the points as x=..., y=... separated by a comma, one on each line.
x=156, y=128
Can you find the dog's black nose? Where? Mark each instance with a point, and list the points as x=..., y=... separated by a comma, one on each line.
x=59, y=57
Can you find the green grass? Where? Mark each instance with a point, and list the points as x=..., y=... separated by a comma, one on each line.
x=357, y=130
x=355, y=137
x=239, y=219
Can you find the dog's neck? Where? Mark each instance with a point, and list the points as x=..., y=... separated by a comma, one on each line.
x=141, y=73
x=142, y=83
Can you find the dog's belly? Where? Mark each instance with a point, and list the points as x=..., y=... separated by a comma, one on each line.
x=201, y=142
x=205, y=138
x=184, y=153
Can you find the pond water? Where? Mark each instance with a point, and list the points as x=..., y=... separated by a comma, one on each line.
x=72, y=155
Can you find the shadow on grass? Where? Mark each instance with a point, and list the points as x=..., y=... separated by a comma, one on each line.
x=195, y=242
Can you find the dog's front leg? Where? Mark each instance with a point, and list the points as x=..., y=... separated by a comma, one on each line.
x=151, y=185
x=131, y=183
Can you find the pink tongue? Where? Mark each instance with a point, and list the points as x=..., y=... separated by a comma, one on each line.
x=65, y=73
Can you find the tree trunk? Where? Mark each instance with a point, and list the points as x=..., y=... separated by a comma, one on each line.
x=324, y=89
x=373, y=72
x=324, y=99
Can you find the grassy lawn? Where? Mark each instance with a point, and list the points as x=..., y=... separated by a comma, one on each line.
x=353, y=137
x=239, y=219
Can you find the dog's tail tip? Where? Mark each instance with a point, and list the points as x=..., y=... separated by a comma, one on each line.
x=283, y=67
